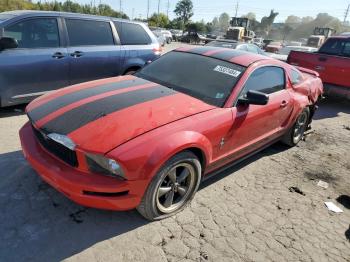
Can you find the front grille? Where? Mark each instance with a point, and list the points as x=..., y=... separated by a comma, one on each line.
x=60, y=151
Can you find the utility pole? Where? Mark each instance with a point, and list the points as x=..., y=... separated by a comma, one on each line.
x=167, y=11
x=147, y=9
x=120, y=6
x=237, y=4
x=132, y=16
x=346, y=13
x=158, y=6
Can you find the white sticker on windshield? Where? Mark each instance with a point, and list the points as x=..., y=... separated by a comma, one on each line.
x=227, y=71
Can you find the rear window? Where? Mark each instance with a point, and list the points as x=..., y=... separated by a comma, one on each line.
x=132, y=34
x=332, y=46
x=89, y=33
x=222, y=44
x=5, y=17
x=208, y=79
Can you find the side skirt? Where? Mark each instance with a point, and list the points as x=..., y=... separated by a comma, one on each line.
x=236, y=162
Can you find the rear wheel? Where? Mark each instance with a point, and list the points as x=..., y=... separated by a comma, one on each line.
x=296, y=132
x=172, y=188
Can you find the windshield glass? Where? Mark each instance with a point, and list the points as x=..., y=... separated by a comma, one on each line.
x=4, y=17
x=208, y=79
x=222, y=44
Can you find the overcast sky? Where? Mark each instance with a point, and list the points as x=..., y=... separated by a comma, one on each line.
x=208, y=9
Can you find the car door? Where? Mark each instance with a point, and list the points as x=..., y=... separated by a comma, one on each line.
x=38, y=65
x=257, y=125
x=93, y=50
x=136, y=43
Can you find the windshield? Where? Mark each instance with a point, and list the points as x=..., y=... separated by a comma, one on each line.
x=222, y=44
x=208, y=79
x=4, y=17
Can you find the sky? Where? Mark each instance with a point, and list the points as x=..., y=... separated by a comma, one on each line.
x=208, y=9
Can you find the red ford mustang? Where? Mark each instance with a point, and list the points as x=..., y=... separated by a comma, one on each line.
x=147, y=141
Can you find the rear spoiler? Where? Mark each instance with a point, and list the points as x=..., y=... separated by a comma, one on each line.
x=308, y=71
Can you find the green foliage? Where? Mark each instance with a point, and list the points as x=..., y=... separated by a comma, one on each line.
x=197, y=27
x=160, y=20
x=9, y=5
x=66, y=6
x=184, y=10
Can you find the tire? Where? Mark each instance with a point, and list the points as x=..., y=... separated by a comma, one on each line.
x=296, y=132
x=163, y=198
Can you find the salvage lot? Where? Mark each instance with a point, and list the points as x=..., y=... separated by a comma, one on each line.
x=247, y=213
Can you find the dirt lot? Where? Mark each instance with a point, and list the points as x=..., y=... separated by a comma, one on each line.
x=247, y=213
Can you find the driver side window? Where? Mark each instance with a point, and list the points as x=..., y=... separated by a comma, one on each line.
x=268, y=80
x=35, y=33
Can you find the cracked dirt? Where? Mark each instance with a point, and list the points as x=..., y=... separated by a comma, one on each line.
x=269, y=208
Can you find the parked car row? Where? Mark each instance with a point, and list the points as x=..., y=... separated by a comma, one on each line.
x=43, y=51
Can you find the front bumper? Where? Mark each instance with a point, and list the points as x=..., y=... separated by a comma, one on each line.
x=91, y=190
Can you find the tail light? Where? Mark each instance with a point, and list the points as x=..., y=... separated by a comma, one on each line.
x=157, y=50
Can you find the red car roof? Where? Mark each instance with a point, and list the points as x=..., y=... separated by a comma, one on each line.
x=230, y=55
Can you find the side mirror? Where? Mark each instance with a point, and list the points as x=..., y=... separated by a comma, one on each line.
x=8, y=43
x=253, y=98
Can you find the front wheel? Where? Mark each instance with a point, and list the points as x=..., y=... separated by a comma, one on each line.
x=172, y=188
x=296, y=132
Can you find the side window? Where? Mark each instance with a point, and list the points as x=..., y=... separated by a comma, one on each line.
x=35, y=33
x=267, y=79
x=332, y=46
x=346, y=50
x=296, y=77
x=132, y=34
x=89, y=32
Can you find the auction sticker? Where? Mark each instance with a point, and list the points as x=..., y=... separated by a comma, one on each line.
x=227, y=71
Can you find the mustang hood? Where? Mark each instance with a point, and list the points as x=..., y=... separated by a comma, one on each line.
x=101, y=115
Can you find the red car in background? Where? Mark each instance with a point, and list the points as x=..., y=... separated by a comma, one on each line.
x=332, y=62
x=147, y=141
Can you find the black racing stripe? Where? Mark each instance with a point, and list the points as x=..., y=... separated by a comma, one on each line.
x=67, y=99
x=80, y=116
x=228, y=55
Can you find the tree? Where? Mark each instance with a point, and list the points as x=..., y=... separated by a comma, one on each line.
x=215, y=23
x=293, y=20
x=224, y=21
x=160, y=20
x=251, y=16
x=184, y=10
x=307, y=19
x=197, y=27
x=286, y=30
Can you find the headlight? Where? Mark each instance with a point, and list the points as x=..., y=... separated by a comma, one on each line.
x=103, y=165
x=63, y=140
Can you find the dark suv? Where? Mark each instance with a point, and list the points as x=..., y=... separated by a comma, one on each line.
x=43, y=51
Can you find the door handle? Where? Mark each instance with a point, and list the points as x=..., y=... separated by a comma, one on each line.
x=284, y=103
x=58, y=55
x=77, y=54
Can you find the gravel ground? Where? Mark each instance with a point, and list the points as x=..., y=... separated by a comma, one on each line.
x=247, y=213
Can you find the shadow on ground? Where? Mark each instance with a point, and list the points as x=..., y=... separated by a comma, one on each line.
x=12, y=111
x=331, y=107
x=40, y=223
x=347, y=233
x=344, y=200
